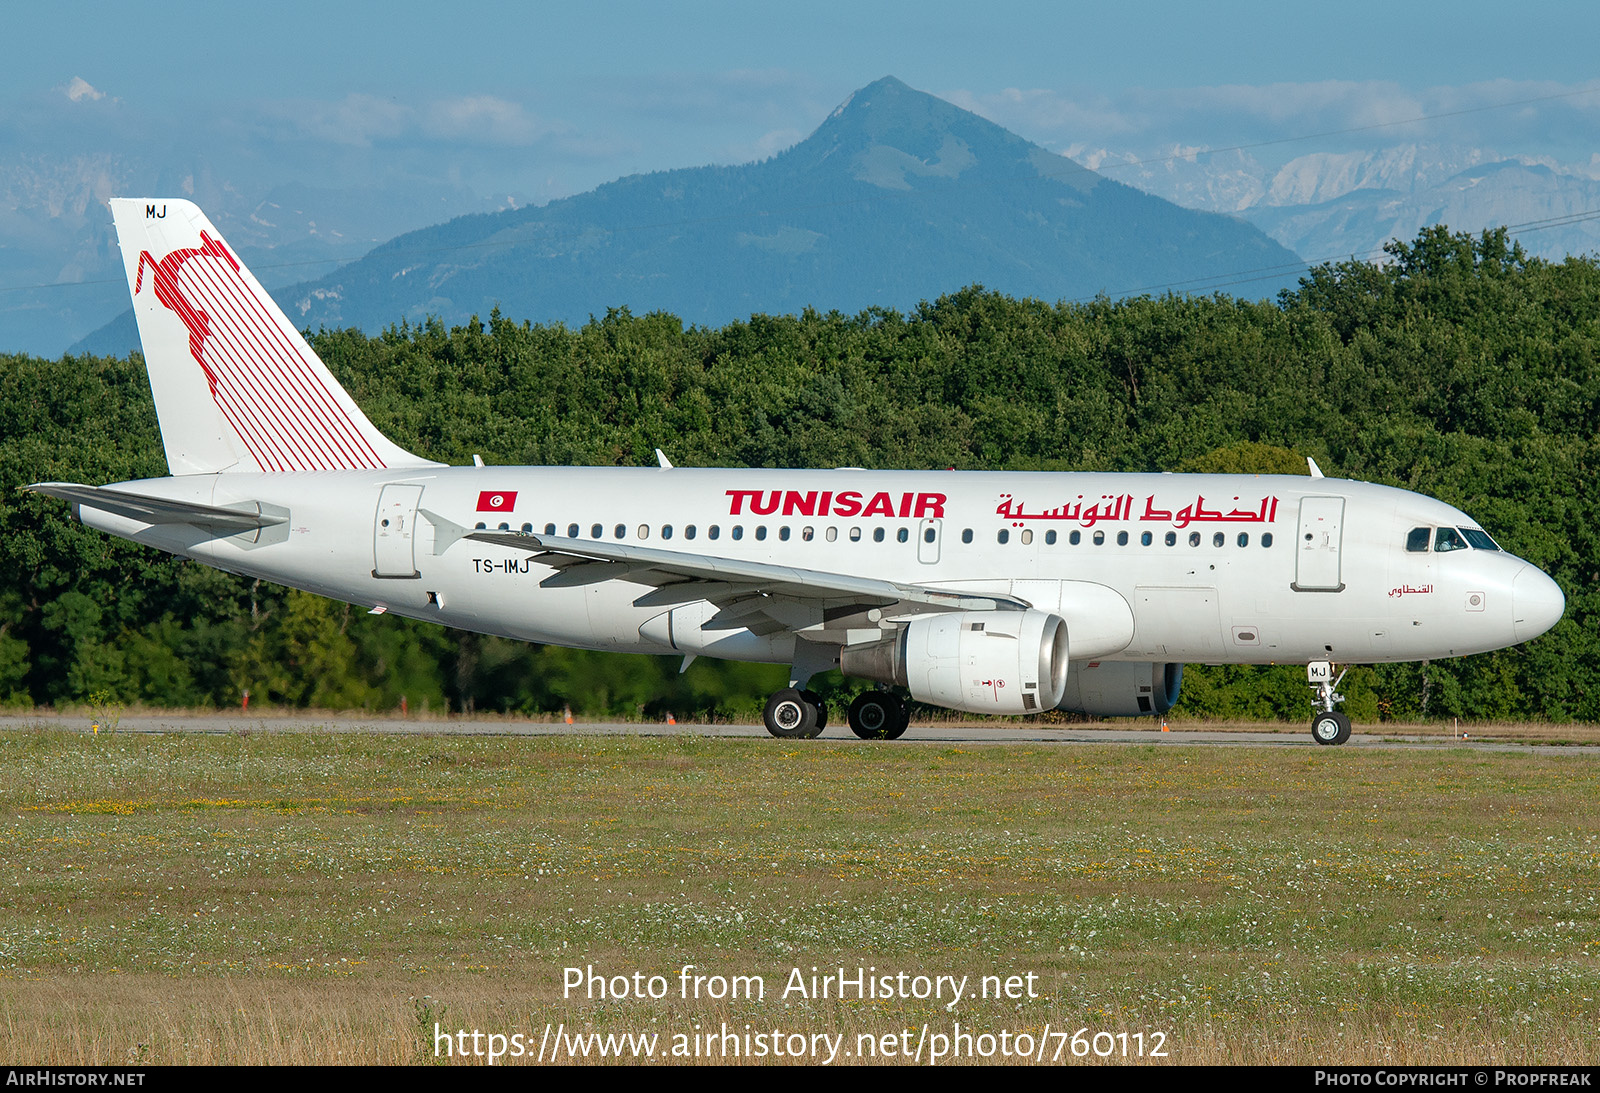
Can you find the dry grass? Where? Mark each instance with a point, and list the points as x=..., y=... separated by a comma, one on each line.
x=324, y=898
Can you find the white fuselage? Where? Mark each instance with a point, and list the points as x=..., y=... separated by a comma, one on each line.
x=1152, y=567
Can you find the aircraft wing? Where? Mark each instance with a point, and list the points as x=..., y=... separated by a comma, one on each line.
x=157, y=510
x=759, y=596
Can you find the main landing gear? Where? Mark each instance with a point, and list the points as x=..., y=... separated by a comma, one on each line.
x=1328, y=726
x=794, y=714
x=879, y=715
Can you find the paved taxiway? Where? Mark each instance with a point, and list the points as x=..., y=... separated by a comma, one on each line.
x=935, y=733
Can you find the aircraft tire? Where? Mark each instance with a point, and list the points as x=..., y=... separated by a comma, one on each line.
x=904, y=722
x=789, y=716
x=877, y=715
x=1330, y=728
x=821, y=708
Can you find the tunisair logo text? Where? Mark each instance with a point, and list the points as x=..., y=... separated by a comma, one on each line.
x=907, y=506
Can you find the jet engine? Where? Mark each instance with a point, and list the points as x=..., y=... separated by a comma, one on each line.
x=1001, y=662
x=1121, y=688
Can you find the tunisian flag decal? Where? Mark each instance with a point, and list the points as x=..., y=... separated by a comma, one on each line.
x=492, y=501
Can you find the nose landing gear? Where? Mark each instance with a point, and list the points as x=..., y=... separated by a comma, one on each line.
x=1328, y=726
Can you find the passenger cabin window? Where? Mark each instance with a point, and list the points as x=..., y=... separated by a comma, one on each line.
x=1447, y=539
x=877, y=535
x=1050, y=537
x=1172, y=538
x=688, y=531
x=1027, y=536
x=1003, y=536
x=1417, y=540
x=666, y=531
x=549, y=529
x=903, y=535
x=1122, y=538
x=761, y=531
x=596, y=531
x=1145, y=538
x=572, y=531
x=1266, y=538
x=1075, y=538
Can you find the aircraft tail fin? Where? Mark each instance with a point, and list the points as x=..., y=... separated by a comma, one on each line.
x=236, y=387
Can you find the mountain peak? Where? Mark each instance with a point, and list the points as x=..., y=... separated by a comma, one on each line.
x=895, y=137
x=888, y=106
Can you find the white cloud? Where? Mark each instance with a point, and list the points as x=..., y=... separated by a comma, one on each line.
x=78, y=89
x=482, y=119
x=362, y=121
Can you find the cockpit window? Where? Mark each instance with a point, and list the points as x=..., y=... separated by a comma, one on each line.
x=1480, y=539
x=1446, y=539
x=1417, y=540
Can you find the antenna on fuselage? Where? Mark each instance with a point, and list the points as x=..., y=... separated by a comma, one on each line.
x=661, y=458
x=1316, y=471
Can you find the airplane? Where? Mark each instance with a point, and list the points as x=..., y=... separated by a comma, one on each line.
x=985, y=592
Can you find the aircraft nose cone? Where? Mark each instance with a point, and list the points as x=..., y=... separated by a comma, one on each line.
x=1536, y=604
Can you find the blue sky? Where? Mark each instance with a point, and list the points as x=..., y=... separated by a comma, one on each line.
x=545, y=100
x=318, y=129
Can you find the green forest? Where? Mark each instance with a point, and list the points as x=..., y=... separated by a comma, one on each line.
x=1460, y=368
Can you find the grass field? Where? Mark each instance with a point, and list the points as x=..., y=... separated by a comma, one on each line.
x=327, y=898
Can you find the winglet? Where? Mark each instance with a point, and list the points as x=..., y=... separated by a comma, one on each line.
x=1316, y=471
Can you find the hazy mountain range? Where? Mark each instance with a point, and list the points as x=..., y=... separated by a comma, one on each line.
x=896, y=197
x=1328, y=206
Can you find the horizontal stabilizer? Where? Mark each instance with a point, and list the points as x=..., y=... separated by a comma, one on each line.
x=158, y=510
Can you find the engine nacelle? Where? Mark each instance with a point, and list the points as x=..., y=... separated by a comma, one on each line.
x=1004, y=662
x=1121, y=688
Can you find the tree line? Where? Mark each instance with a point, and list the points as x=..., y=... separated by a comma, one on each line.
x=1461, y=368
